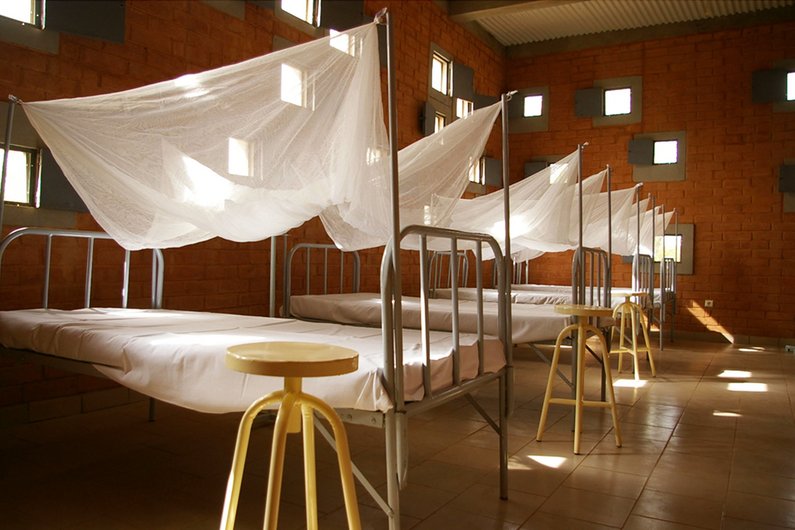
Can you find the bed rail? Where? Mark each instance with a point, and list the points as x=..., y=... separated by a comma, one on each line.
x=91, y=236
x=326, y=249
x=590, y=277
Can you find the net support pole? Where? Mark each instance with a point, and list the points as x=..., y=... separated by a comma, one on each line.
x=12, y=103
x=506, y=408
x=272, y=279
x=609, y=277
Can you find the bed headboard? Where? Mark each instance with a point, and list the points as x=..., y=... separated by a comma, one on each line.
x=90, y=236
x=643, y=274
x=441, y=270
x=326, y=251
x=590, y=277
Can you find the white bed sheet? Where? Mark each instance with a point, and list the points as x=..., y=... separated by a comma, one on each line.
x=178, y=356
x=535, y=294
x=530, y=323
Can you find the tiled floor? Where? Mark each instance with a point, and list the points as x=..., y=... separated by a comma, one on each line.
x=709, y=443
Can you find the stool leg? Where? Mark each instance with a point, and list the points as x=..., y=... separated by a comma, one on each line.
x=343, y=457
x=610, y=393
x=239, y=458
x=635, y=362
x=553, y=367
x=621, y=339
x=648, y=346
x=578, y=386
x=277, y=461
x=309, y=466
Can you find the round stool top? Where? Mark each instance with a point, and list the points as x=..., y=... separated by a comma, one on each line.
x=292, y=359
x=579, y=310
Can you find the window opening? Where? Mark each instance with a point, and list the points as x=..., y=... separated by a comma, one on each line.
x=439, y=121
x=292, y=86
x=533, y=106
x=26, y=11
x=20, y=179
x=302, y=9
x=666, y=152
x=618, y=101
x=477, y=172
x=343, y=42
x=673, y=247
x=463, y=108
x=440, y=74
x=238, y=161
x=791, y=86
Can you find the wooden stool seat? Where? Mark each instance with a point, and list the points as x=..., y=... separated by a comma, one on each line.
x=292, y=361
x=632, y=311
x=581, y=313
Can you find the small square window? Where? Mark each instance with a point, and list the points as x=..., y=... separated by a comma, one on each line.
x=238, y=159
x=440, y=74
x=439, y=121
x=292, y=85
x=673, y=247
x=463, y=108
x=21, y=10
x=20, y=176
x=477, y=172
x=533, y=106
x=301, y=9
x=666, y=152
x=618, y=101
x=791, y=86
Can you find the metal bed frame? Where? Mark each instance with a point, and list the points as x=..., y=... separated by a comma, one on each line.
x=156, y=301
x=327, y=250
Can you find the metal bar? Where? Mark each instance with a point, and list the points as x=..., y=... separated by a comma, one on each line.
x=325, y=271
x=47, y=264
x=125, y=289
x=272, y=280
x=609, y=279
x=396, y=292
x=504, y=307
x=89, y=271
x=455, y=315
x=12, y=103
x=426, y=334
x=308, y=266
x=342, y=272
x=479, y=291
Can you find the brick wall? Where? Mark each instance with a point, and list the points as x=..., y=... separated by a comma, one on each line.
x=744, y=243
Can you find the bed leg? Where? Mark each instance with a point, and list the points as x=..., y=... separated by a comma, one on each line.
x=152, y=409
x=392, y=484
x=503, y=436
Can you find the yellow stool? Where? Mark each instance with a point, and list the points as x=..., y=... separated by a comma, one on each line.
x=293, y=361
x=636, y=317
x=581, y=313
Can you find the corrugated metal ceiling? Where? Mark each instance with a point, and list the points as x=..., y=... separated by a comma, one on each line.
x=529, y=22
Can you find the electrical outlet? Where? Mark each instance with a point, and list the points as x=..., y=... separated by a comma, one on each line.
x=708, y=303
x=789, y=348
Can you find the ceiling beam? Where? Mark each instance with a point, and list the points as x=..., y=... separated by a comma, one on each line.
x=472, y=10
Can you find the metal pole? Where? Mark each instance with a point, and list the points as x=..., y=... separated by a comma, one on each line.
x=609, y=277
x=272, y=279
x=12, y=102
x=506, y=264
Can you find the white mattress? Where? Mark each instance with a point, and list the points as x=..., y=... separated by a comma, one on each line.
x=535, y=294
x=178, y=356
x=530, y=323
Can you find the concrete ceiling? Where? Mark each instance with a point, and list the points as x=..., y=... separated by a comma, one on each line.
x=521, y=26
